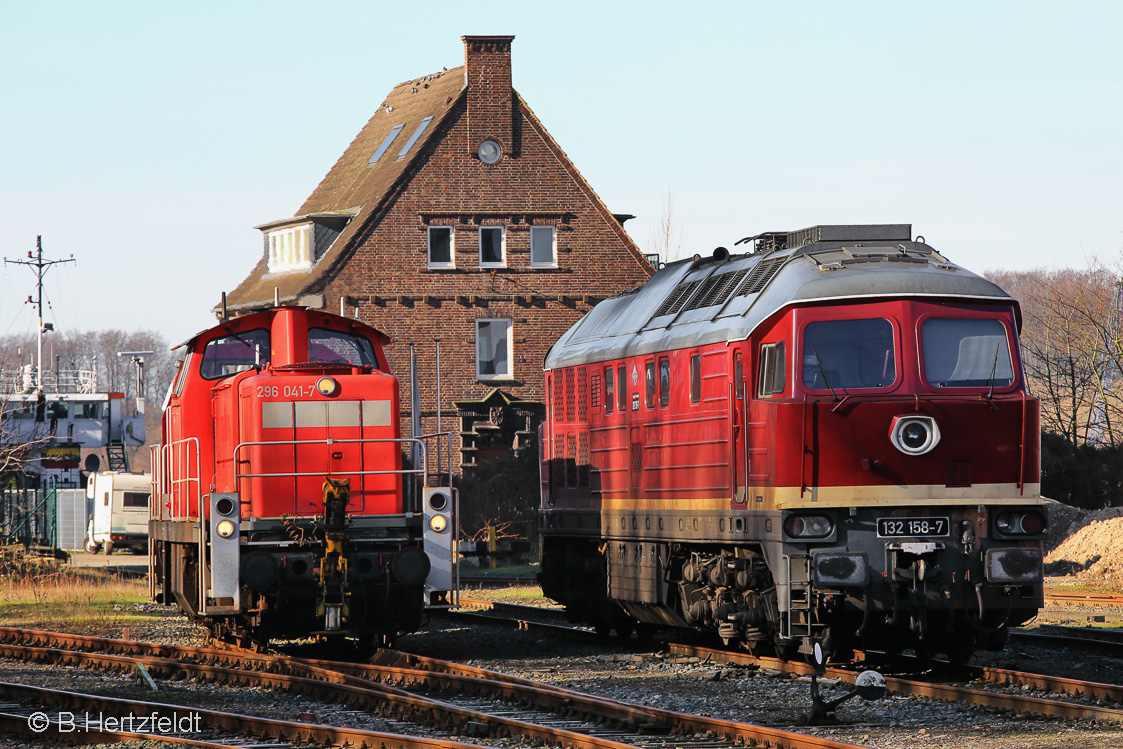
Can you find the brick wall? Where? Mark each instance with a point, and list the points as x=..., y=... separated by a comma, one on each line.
x=387, y=277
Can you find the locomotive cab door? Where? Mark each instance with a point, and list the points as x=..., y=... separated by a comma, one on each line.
x=738, y=442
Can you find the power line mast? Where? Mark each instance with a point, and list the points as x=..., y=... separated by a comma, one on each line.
x=39, y=267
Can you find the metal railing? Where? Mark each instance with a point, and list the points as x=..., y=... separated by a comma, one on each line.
x=23, y=380
x=169, y=463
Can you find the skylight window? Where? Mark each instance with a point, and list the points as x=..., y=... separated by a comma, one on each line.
x=385, y=144
x=413, y=138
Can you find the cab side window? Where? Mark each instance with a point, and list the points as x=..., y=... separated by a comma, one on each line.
x=773, y=370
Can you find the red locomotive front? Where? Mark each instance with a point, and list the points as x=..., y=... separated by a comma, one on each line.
x=279, y=505
x=827, y=440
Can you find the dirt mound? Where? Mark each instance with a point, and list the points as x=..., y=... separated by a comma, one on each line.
x=1093, y=547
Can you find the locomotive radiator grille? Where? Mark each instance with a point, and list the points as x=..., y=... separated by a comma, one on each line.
x=959, y=473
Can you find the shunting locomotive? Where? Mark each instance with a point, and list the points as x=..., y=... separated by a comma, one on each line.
x=826, y=440
x=279, y=503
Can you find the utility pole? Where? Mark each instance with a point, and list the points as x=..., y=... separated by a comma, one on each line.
x=40, y=267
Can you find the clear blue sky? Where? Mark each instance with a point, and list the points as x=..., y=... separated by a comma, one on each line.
x=148, y=138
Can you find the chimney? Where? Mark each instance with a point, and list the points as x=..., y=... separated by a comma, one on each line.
x=487, y=73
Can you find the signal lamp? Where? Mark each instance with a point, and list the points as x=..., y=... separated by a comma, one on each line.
x=327, y=386
x=438, y=501
x=438, y=523
x=808, y=526
x=1020, y=523
x=225, y=528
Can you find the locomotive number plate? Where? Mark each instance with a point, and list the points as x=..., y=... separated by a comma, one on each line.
x=910, y=527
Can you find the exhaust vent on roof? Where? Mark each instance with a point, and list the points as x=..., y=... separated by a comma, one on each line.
x=677, y=298
x=761, y=274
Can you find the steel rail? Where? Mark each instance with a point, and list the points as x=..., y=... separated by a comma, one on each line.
x=945, y=692
x=1096, y=599
x=242, y=725
x=418, y=669
x=341, y=687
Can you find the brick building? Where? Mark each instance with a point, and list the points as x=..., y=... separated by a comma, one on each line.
x=453, y=215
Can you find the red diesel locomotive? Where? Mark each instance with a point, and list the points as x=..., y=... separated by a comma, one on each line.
x=278, y=506
x=826, y=440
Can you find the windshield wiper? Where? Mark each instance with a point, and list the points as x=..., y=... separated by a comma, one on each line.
x=823, y=372
x=993, y=366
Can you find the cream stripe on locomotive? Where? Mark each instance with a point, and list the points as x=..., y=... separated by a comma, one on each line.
x=790, y=497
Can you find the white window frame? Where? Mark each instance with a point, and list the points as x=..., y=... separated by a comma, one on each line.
x=502, y=247
x=451, y=247
x=509, y=374
x=553, y=262
x=289, y=249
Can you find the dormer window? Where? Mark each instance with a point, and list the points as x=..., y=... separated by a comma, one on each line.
x=297, y=243
x=289, y=249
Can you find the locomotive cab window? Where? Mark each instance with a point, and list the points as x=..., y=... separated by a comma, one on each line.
x=337, y=347
x=966, y=353
x=848, y=354
x=773, y=370
x=232, y=354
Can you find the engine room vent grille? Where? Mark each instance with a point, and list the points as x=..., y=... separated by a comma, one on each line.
x=677, y=299
x=570, y=396
x=716, y=289
x=582, y=394
x=761, y=274
x=959, y=473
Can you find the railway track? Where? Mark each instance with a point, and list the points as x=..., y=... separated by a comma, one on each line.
x=558, y=717
x=530, y=617
x=1107, y=600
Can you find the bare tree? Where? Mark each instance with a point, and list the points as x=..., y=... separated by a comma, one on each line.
x=1069, y=347
x=666, y=233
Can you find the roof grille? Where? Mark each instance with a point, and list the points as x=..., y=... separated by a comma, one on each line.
x=716, y=289
x=761, y=274
x=677, y=299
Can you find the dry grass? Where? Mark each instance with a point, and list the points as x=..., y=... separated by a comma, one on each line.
x=42, y=594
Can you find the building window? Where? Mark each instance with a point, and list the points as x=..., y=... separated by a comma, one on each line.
x=289, y=249
x=413, y=138
x=492, y=247
x=664, y=382
x=543, y=248
x=772, y=370
x=385, y=145
x=440, y=247
x=493, y=349
x=696, y=378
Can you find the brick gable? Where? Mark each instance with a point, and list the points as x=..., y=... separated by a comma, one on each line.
x=380, y=267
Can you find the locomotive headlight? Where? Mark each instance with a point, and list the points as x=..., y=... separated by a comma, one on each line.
x=438, y=523
x=808, y=526
x=914, y=435
x=225, y=528
x=327, y=386
x=1020, y=523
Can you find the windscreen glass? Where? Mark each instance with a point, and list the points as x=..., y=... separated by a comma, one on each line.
x=340, y=348
x=231, y=354
x=848, y=354
x=961, y=353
